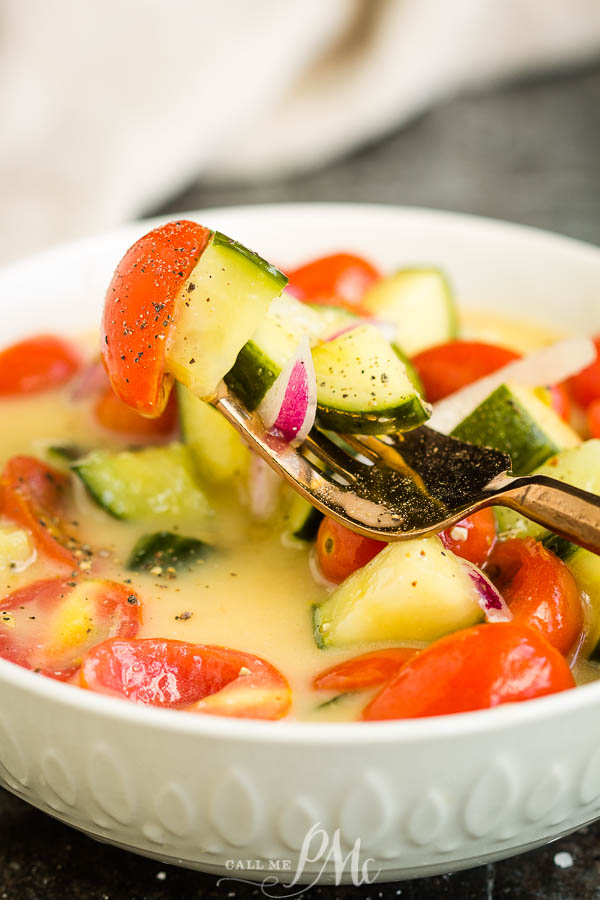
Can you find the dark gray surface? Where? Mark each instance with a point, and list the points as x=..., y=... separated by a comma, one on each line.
x=529, y=153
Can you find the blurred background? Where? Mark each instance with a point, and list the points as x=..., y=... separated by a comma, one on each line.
x=122, y=108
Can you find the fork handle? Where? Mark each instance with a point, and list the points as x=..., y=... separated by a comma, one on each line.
x=570, y=512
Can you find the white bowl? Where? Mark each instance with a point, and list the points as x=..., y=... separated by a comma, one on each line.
x=423, y=796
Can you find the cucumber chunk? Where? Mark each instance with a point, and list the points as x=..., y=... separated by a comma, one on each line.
x=363, y=387
x=411, y=591
x=218, y=450
x=419, y=302
x=579, y=466
x=155, y=484
x=514, y=420
x=262, y=358
x=219, y=308
x=303, y=519
x=166, y=551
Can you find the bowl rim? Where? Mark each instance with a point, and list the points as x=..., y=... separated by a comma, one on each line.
x=290, y=731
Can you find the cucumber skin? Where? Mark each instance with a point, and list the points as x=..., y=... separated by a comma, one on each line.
x=308, y=531
x=251, y=376
x=164, y=548
x=268, y=270
x=527, y=445
x=408, y=415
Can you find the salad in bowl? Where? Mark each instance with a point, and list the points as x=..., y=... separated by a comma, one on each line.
x=148, y=555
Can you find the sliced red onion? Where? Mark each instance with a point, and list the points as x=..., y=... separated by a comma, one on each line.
x=289, y=406
x=90, y=381
x=546, y=366
x=489, y=597
x=263, y=488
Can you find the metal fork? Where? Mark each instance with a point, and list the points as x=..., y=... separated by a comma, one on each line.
x=402, y=486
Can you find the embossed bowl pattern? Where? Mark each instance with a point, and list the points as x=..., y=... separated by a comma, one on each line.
x=231, y=797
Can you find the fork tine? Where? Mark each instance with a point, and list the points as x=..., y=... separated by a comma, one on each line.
x=330, y=454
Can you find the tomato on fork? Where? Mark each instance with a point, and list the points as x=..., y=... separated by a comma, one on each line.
x=47, y=626
x=340, y=279
x=37, y=364
x=140, y=311
x=476, y=668
x=196, y=677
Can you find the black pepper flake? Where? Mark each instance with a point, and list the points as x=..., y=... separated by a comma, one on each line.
x=184, y=616
x=133, y=600
x=191, y=287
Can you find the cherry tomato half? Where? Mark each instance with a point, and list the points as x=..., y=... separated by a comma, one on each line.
x=586, y=384
x=337, y=280
x=560, y=398
x=36, y=364
x=32, y=495
x=593, y=418
x=366, y=671
x=448, y=367
x=341, y=551
x=472, y=538
x=194, y=677
x=139, y=312
x=112, y=413
x=49, y=625
x=472, y=669
x=539, y=589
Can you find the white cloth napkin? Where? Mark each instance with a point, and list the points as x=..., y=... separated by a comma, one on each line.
x=108, y=107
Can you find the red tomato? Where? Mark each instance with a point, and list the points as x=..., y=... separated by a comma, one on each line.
x=49, y=625
x=561, y=401
x=449, y=367
x=337, y=280
x=369, y=670
x=139, y=312
x=115, y=415
x=36, y=364
x=586, y=385
x=472, y=669
x=593, y=418
x=32, y=496
x=472, y=538
x=341, y=551
x=195, y=677
x=539, y=589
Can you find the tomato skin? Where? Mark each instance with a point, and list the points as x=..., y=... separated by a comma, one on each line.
x=585, y=386
x=117, y=611
x=539, y=589
x=341, y=551
x=337, y=280
x=561, y=401
x=139, y=312
x=36, y=364
x=112, y=413
x=475, y=668
x=446, y=368
x=32, y=495
x=475, y=538
x=365, y=671
x=195, y=677
x=593, y=418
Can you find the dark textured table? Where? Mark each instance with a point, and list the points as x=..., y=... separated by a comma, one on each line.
x=530, y=153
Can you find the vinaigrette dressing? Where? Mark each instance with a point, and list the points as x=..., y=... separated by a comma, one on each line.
x=255, y=592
